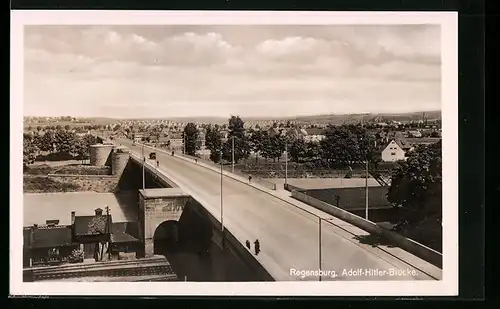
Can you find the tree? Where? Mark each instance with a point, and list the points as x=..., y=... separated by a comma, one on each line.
x=236, y=127
x=29, y=128
x=58, y=128
x=273, y=146
x=416, y=185
x=256, y=142
x=236, y=132
x=313, y=151
x=213, y=142
x=38, y=128
x=30, y=150
x=65, y=142
x=82, y=145
x=67, y=127
x=191, y=138
x=346, y=145
x=298, y=150
x=434, y=134
x=46, y=141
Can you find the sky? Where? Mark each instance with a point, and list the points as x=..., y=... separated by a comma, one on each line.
x=217, y=71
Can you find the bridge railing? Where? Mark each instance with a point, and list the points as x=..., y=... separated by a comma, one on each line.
x=227, y=167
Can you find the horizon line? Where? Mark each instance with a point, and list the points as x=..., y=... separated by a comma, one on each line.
x=249, y=116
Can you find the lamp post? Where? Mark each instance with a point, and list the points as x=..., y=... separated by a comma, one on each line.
x=232, y=154
x=286, y=161
x=366, y=191
x=143, y=172
x=319, y=247
x=221, y=199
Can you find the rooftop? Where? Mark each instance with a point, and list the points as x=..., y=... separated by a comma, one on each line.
x=48, y=236
x=125, y=232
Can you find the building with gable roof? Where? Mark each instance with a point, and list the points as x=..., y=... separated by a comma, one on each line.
x=396, y=150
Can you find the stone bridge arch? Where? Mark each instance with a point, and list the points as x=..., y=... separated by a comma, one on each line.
x=157, y=206
x=166, y=236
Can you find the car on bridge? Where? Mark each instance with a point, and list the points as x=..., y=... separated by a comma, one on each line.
x=152, y=156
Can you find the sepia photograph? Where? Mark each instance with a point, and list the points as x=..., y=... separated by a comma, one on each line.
x=296, y=155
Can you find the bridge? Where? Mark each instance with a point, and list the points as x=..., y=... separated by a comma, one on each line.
x=294, y=237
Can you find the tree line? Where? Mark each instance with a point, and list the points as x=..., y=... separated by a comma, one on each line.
x=57, y=141
x=416, y=183
x=344, y=145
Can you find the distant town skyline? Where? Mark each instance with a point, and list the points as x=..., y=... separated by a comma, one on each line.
x=218, y=71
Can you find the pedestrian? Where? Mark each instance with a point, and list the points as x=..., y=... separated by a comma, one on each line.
x=249, y=178
x=157, y=163
x=172, y=152
x=247, y=243
x=196, y=160
x=337, y=200
x=257, y=246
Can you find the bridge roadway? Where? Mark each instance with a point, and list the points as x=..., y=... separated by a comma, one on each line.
x=288, y=236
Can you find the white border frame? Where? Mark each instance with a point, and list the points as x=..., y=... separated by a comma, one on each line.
x=449, y=55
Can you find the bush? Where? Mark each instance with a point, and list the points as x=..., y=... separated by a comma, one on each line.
x=76, y=256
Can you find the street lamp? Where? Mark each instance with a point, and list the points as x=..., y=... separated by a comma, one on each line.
x=366, y=191
x=286, y=160
x=319, y=247
x=143, y=172
x=366, y=185
x=232, y=154
x=221, y=199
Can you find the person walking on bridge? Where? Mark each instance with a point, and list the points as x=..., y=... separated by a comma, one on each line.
x=157, y=163
x=249, y=178
x=257, y=246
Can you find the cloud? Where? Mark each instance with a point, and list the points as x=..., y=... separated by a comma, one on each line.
x=215, y=70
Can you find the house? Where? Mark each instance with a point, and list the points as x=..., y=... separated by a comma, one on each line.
x=48, y=244
x=272, y=131
x=164, y=140
x=314, y=134
x=423, y=141
x=201, y=139
x=176, y=140
x=137, y=137
x=95, y=236
x=415, y=133
x=153, y=138
x=396, y=150
x=292, y=134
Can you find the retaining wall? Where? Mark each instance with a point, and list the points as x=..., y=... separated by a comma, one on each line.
x=96, y=183
x=407, y=244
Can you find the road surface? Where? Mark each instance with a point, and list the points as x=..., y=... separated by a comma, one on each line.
x=288, y=237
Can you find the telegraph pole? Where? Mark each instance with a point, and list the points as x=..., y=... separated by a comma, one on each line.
x=108, y=225
x=184, y=141
x=232, y=154
x=221, y=199
x=366, y=191
x=286, y=161
x=319, y=247
x=143, y=172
